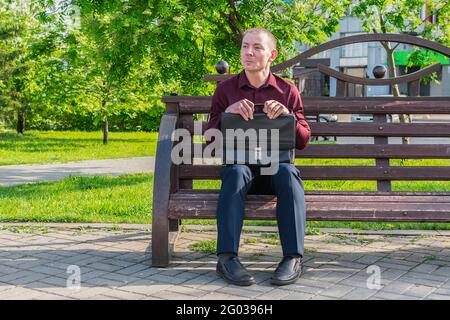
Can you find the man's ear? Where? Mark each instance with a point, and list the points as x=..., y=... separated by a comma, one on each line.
x=273, y=55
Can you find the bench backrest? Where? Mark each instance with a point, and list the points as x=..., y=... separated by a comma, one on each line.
x=186, y=109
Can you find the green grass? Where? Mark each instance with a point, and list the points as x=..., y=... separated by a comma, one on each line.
x=37, y=147
x=125, y=199
x=25, y=229
x=205, y=246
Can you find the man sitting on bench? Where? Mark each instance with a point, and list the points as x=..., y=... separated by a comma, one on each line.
x=238, y=95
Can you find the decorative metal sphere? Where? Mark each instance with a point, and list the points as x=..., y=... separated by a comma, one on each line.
x=222, y=67
x=379, y=72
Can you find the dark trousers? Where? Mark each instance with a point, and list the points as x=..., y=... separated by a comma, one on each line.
x=238, y=180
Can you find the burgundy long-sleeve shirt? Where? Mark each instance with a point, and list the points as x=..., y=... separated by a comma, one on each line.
x=275, y=88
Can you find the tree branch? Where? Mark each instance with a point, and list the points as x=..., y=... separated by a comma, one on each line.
x=234, y=21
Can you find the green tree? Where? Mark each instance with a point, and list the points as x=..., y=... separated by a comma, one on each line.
x=185, y=38
x=404, y=16
x=123, y=53
x=18, y=30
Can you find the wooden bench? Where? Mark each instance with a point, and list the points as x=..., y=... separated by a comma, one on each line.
x=175, y=199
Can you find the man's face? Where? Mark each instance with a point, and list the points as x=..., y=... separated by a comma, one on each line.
x=257, y=52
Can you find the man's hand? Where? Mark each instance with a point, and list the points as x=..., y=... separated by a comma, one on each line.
x=243, y=107
x=274, y=109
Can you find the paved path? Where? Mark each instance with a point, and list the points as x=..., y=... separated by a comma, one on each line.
x=114, y=263
x=13, y=175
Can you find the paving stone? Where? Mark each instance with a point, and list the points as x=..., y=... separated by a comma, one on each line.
x=443, y=271
x=392, y=296
x=31, y=277
x=8, y=270
x=86, y=293
x=49, y=270
x=419, y=291
x=102, y=297
x=124, y=295
x=238, y=291
x=116, y=265
x=61, y=281
x=417, y=277
x=298, y=296
x=320, y=297
x=369, y=259
x=435, y=296
x=274, y=294
x=360, y=294
x=166, y=279
x=221, y=296
x=49, y=296
x=337, y=276
x=396, y=264
x=425, y=267
x=87, y=273
x=187, y=291
x=20, y=293
x=397, y=287
x=120, y=278
x=104, y=266
x=6, y=286
x=311, y=283
x=304, y=289
x=337, y=291
x=9, y=278
x=442, y=291
x=135, y=269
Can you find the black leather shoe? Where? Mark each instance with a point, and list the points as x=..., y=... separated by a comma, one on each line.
x=232, y=271
x=288, y=271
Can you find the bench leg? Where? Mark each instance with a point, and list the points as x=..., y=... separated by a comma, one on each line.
x=163, y=242
x=160, y=243
x=174, y=225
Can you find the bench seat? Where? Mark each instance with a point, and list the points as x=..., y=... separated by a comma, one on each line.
x=344, y=206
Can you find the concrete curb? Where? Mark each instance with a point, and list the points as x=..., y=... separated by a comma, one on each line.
x=212, y=228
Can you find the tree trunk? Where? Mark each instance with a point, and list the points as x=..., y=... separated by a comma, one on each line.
x=105, y=131
x=20, y=122
x=105, y=123
x=404, y=118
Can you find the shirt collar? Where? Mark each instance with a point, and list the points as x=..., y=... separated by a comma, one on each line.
x=271, y=81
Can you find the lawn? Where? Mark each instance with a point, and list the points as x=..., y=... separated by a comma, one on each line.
x=36, y=147
x=128, y=199
x=124, y=199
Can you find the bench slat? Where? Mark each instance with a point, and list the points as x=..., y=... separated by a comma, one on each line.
x=369, y=151
x=341, y=105
x=201, y=195
x=399, y=208
x=202, y=172
x=380, y=130
x=350, y=129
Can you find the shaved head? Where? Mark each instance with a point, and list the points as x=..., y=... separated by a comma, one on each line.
x=272, y=41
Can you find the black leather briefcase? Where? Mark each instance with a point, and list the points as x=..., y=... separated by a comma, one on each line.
x=259, y=141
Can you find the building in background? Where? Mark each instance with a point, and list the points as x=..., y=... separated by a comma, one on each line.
x=359, y=60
